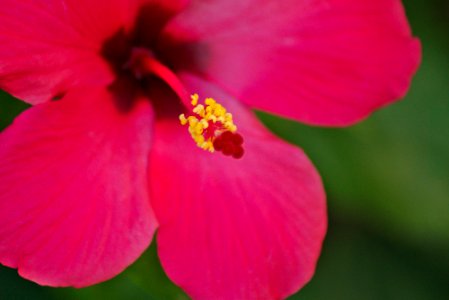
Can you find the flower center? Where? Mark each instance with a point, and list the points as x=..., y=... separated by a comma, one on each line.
x=145, y=66
x=142, y=63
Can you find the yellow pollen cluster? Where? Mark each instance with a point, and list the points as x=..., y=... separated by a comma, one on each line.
x=210, y=114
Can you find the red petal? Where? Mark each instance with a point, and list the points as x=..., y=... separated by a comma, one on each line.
x=74, y=207
x=49, y=46
x=236, y=229
x=320, y=62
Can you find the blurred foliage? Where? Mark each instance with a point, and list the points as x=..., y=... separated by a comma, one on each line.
x=387, y=180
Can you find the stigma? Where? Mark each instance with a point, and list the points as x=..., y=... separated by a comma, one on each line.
x=212, y=128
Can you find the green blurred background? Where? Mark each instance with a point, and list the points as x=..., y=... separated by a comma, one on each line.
x=387, y=180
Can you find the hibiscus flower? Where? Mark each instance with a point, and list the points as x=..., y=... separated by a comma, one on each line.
x=102, y=159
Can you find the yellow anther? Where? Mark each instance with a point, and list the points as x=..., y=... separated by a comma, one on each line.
x=194, y=98
x=199, y=109
x=209, y=101
x=204, y=123
x=182, y=119
x=209, y=121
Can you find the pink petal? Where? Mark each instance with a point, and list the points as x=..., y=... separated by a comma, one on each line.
x=49, y=46
x=74, y=205
x=236, y=229
x=320, y=62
